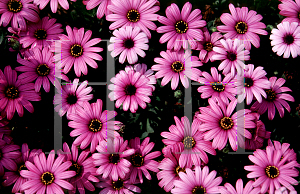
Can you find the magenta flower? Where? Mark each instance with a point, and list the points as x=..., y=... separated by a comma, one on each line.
x=133, y=13
x=102, y=8
x=270, y=170
x=291, y=10
x=38, y=33
x=130, y=42
x=8, y=155
x=47, y=176
x=130, y=88
x=91, y=125
x=232, y=55
x=112, y=158
x=16, y=11
x=180, y=27
x=83, y=166
x=142, y=69
x=215, y=87
x=70, y=98
x=53, y=4
x=286, y=39
x=14, y=93
x=242, y=25
x=141, y=160
x=275, y=98
x=174, y=65
x=255, y=83
x=229, y=189
x=198, y=181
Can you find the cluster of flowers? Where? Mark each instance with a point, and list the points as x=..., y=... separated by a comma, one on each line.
x=115, y=165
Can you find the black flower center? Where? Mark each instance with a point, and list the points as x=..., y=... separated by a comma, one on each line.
x=130, y=90
x=208, y=46
x=11, y=92
x=177, y=66
x=133, y=15
x=118, y=184
x=137, y=160
x=188, y=142
x=14, y=6
x=231, y=56
x=272, y=171
x=299, y=15
x=218, y=87
x=241, y=27
x=128, y=43
x=76, y=50
x=114, y=158
x=47, y=178
x=43, y=69
x=75, y=167
x=248, y=82
x=178, y=169
x=40, y=34
x=288, y=39
x=199, y=190
x=252, y=131
x=181, y=27
x=72, y=99
x=271, y=95
x=226, y=123
x=95, y=125
x=22, y=167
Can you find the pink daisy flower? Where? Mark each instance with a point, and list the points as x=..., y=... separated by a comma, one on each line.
x=206, y=46
x=83, y=166
x=286, y=39
x=17, y=11
x=8, y=155
x=47, y=176
x=291, y=10
x=255, y=84
x=242, y=25
x=219, y=122
x=78, y=51
x=102, y=8
x=275, y=98
x=130, y=42
x=14, y=94
x=91, y=125
x=141, y=160
x=270, y=171
x=173, y=65
x=232, y=55
x=112, y=158
x=38, y=33
x=14, y=176
x=53, y=4
x=215, y=87
x=130, y=88
x=189, y=138
x=142, y=69
x=181, y=26
x=199, y=181
x=229, y=189
x=70, y=98
x=140, y=13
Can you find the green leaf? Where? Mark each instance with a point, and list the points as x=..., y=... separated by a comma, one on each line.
x=149, y=128
x=144, y=135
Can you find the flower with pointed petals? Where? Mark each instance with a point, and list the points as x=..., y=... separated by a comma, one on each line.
x=102, y=8
x=8, y=154
x=242, y=25
x=229, y=189
x=291, y=10
x=181, y=28
x=275, y=98
x=142, y=69
x=53, y=4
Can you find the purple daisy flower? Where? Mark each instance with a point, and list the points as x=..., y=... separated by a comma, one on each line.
x=142, y=69
x=8, y=154
x=229, y=189
x=291, y=10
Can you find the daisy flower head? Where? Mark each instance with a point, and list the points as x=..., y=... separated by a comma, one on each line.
x=173, y=65
x=128, y=42
x=196, y=181
x=17, y=12
x=291, y=10
x=131, y=89
x=47, y=176
x=180, y=27
x=140, y=13
x=53, y=4
x=242, y=25
x=229, y=189
x=232, y=55
x=102, y=8
x=142, y=69
x=275, y=98
x=71, y=97
x=8, y=154
x=91, y=125
x=270, y=171
x=15, y=93
x=214, y=86
x=286, y=39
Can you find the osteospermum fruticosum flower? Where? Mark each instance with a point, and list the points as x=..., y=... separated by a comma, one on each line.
x=8, y=154
x=102, y=8
x=286, y=39
x=242, y=25
x=275, y=98
x=290, y=9
x=14, y=94
x=229, y=189
x=140, y=13
x=53, y=4
x=181, y=28
x=270, y=171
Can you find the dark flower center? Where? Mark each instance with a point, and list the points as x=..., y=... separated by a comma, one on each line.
x=11, y=92
x=137, y=160
x=199, y=190
x=188, y=142
x=76, y=50
x=248, y=82
x=178, y=169
x=181, y=27
x=22, y=167
x=72, y=99
x=75, y=167
x=218, y=87
x=241, y=27
x=252, y=131
x=130, y=90
x=208, y=46
x=14, y=6
x=272, y=171
x=177, y=66
x=95, y=125
x=114, y=158
x=231, y=56
x=43, y=69
x=133, y=15
x=288, y=39
x=40, y=34
x=118, y=184
x=271, y=95
x=128, y=43
x=226, y=123
x=299, y=15
x=47, y=178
